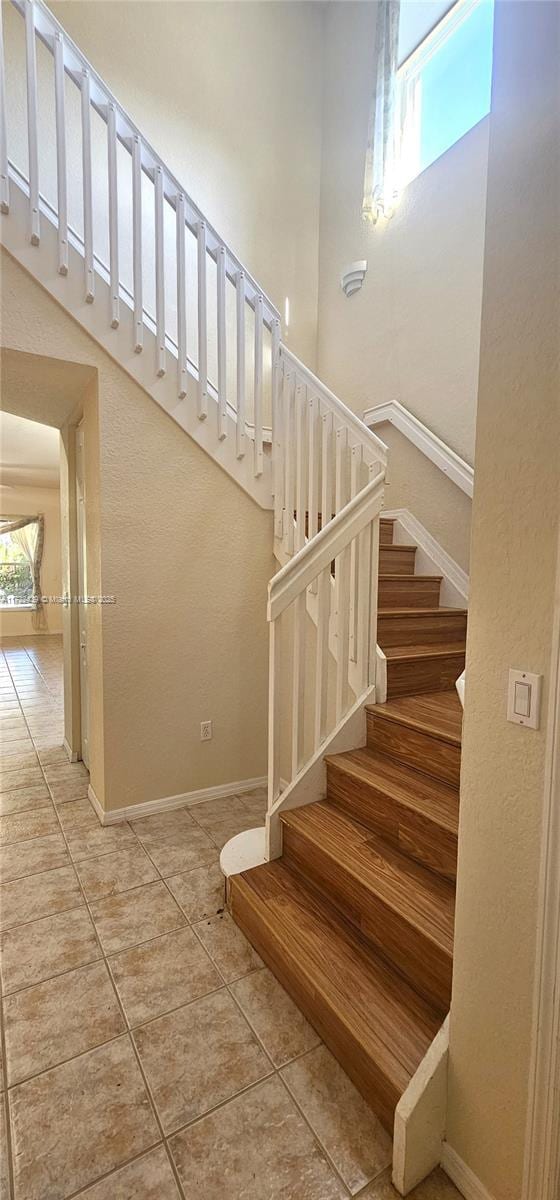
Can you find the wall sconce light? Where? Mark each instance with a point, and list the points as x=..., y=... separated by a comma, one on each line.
x=352, y=277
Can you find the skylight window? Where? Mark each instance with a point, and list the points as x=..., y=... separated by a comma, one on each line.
x=444, y=86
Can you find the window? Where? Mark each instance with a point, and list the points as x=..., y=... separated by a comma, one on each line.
x=444, y=86
x=17, y=551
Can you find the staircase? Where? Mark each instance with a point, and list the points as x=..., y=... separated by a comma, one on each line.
x=353, y=909
x=356, y=917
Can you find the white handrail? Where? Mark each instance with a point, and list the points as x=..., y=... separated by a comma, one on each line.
x=456, y=469
x=351, y=419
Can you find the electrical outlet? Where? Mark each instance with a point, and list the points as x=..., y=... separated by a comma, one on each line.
x=205, y=731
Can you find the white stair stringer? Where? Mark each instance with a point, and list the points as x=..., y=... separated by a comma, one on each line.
x=68, y=290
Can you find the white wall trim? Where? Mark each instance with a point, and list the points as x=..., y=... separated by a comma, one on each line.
x=420, y=1117
x=461, y=1175
x=542, y=1153
x=431, y=558
x=456, y=469
x=72, y=754
x=132, y=812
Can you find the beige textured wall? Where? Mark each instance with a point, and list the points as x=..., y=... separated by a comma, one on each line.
x=188, y=556
x=412, y=333
x=414, y=482
x=218, y=89
x=516, y=512
x=24, y=501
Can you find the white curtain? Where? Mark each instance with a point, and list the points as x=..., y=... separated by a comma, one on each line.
x=381, y=183
x=28, y=533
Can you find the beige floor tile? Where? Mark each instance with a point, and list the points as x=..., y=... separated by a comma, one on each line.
x=65, y=772
x=118, y=872
x=223, y=819
x=20, y=776
x=228, y=947
x=30, y=953
x=261, y=1145
x=4, y=1169
x=174, y=842
x=200, y=892
x=55, y=754
x=20, y=827
x=436, y=1187
x=24, y=799
x=198, y=1056
x=27, y=858
x=77, y=816
x=88, y=843
x=72, y=789
x=157, y=976
x=37, y=896
x=352, y=1136
x=277, y=1021
x=58, y=1019
x=148, y=1178
x=88, y=1116
x=137, y=916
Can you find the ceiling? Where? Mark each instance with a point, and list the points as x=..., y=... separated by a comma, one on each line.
x=29, y=453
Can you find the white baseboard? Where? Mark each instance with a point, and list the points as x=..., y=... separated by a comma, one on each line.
x=72, y=754
x=431, y=557
x=461, y=1175
x=133, y=812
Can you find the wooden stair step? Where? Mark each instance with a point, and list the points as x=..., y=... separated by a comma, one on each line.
x=422, y=731
x=402, y=909
x=386, y=527
x=415, y=813
x=427, y=668
x=397, y=559
x=410, y=626
x=408, y=591
x=375, y=1024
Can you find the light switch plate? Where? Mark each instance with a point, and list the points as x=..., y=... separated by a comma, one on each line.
x=524, y=699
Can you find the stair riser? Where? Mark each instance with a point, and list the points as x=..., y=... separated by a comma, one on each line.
x=416, y=749
x=411, y=677
x=379, y=1091
x=410, y=591
x=423, y=840
x=421, y=629
x=396, y=560
x=424, y=964
x=385, y=533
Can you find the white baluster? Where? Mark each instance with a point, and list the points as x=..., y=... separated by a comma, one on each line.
x=241, y=383
x=202, y=324
x=366, y=585
x=274, y=727
x=137, y=244
x=326, y=468
x=356, y=458
x=258, y=389
x=86, y=186
x=313, y=452
x=277, y=430
x=300, y=425
x=342, y=577
x=180, y=216
x=61, y=183
x=322, y=656
x=4, y=180
x=289, y=442
x=31, y=63
x=222, y=348
x=298, y=682
x=160, y=273
x=112, y=180
x=374, y=583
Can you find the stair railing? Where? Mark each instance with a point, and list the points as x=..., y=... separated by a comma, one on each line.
x=137, y=227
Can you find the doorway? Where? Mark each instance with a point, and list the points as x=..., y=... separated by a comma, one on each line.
x=82, y=591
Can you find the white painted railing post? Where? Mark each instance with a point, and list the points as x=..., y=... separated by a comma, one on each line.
x=32, y=131
x=273, y=834
x=222, y=346
x=202, y=324
x=241, y=382
x=4, y=179
x=137, y=245
x=112, y=181
x=278, y=445
x=160, y=272
x=258, y=388
x=61, y=183
x=87, y=186
x=181, y=297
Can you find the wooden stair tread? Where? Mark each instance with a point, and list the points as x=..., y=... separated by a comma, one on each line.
x=425, y=612
x=422, y=898
x=429, y=650
x=436, y=801
x=392, y=1025
x=409, y=578
x=439, y=714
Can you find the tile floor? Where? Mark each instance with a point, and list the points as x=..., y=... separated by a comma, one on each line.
x=148, y=1054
